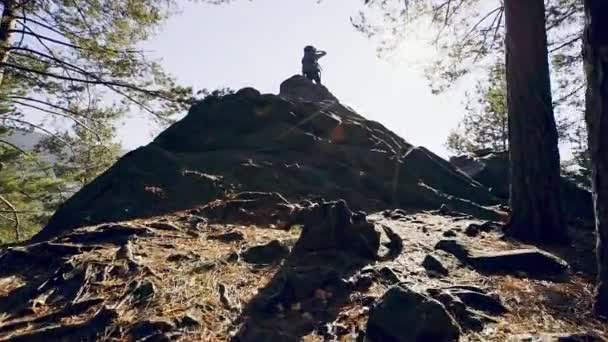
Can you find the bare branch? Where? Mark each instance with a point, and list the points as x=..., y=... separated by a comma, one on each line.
x=16, y=215
x=566, y=43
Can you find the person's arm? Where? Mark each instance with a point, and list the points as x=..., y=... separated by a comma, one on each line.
x=321, y=53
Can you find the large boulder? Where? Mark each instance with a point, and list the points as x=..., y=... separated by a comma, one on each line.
x=333, y=226
x=404, y=315
x=531, y=261
x=302, y=143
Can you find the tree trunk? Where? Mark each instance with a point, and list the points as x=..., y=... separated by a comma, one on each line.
x=536, y=205
x=6, y=24
x=595, y=53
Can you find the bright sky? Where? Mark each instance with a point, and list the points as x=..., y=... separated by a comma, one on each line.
x=259, y=43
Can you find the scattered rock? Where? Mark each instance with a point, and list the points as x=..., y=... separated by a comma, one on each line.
x=233, y=257
x=179, y=257
x=342, y=329
x=164, y=226
x=533, y=262
x=228, y=237
x=449, y=233
x=188, y=321
x=268, y=253
x=362, y=282
x=405, y=315
x=454, y=247
x=434, y=265
x=472, y=230
x=148, y=328
x=388, y=275
x=143, y=291
x=475, y=229
x=481, y=301
x=467, y=318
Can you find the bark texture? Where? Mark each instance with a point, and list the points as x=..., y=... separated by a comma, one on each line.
x=6, y=24
x=536, y=206
x=595, y=52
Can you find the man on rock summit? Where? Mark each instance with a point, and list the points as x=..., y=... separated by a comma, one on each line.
x=310, y=63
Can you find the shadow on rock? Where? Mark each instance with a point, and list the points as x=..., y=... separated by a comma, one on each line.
x=527, y=262
x=313, y=282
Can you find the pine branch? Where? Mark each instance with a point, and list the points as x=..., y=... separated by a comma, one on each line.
x=78, y=122
x=113, y=85
x=566, y=43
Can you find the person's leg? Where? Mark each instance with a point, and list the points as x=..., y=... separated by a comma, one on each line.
x=317, y=77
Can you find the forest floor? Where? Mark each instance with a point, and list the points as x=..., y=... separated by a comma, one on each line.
x=182, y=277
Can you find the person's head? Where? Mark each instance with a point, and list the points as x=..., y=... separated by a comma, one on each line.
x=309, y=48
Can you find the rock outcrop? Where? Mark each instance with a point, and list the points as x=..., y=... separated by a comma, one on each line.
x=491, y=168
x=302, y=143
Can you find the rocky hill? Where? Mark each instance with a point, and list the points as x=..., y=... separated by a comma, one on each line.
x=301, y=143
x=290, y=217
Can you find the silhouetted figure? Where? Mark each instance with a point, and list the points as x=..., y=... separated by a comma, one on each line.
x=310, y=63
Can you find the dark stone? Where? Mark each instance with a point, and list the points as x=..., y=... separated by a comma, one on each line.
x=143, y=290
x=179, y=257
x=488, y=303
x=454, y=247
x=472, y=230
x=363, y=282
x=301, y=283
x=248, y=92
x=330, y=226
x=405, y=315
x=163, y=226
x=467, y=319
x=300, y=88
x=233, y=257
x=342, y=329
x=530, y=261
x=388, y=275
x=449, y=233
x=228, y=237
x=433, y=265
x=269, y=253
x=150, y=327
x=188, y=321
x=475, y=229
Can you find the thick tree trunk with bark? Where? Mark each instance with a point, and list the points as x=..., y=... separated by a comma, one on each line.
x=595, y=52
x=536, y=207
x=6, y=24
